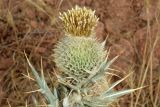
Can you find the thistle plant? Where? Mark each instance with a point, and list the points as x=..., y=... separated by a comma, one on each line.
x=83, y=62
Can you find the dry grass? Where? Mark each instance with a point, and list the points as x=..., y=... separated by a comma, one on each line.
x=17, y=37
x=144, y=74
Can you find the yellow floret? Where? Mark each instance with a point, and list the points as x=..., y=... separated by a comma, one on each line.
x=79, y=21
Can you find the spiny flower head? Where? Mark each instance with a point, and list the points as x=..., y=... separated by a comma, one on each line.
x=79, y=21
x=75, y=56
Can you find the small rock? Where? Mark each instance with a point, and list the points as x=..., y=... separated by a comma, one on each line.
x=34, y=24
x=5, y=63
x=99, y=30
x=112, y=27
x=30, y=13
x=123, y=48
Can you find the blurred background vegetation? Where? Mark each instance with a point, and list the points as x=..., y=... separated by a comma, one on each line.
x=33, y=26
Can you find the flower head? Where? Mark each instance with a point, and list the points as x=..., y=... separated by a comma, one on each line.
x=77, y=55
x=79, y=21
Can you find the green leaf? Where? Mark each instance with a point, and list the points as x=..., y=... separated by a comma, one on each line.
x=114, y=95
x=115, y=84
x=52, y=99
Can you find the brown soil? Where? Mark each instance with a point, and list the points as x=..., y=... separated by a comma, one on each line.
x=132, y=27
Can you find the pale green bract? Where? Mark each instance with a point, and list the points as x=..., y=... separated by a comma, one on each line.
x=74, y=56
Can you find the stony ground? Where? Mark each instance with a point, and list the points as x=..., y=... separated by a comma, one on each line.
x=132, y=28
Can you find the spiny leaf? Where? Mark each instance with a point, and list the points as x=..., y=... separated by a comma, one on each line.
x=99, y=73
x=113, y=95
x=53, y=102
x=115, y=84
